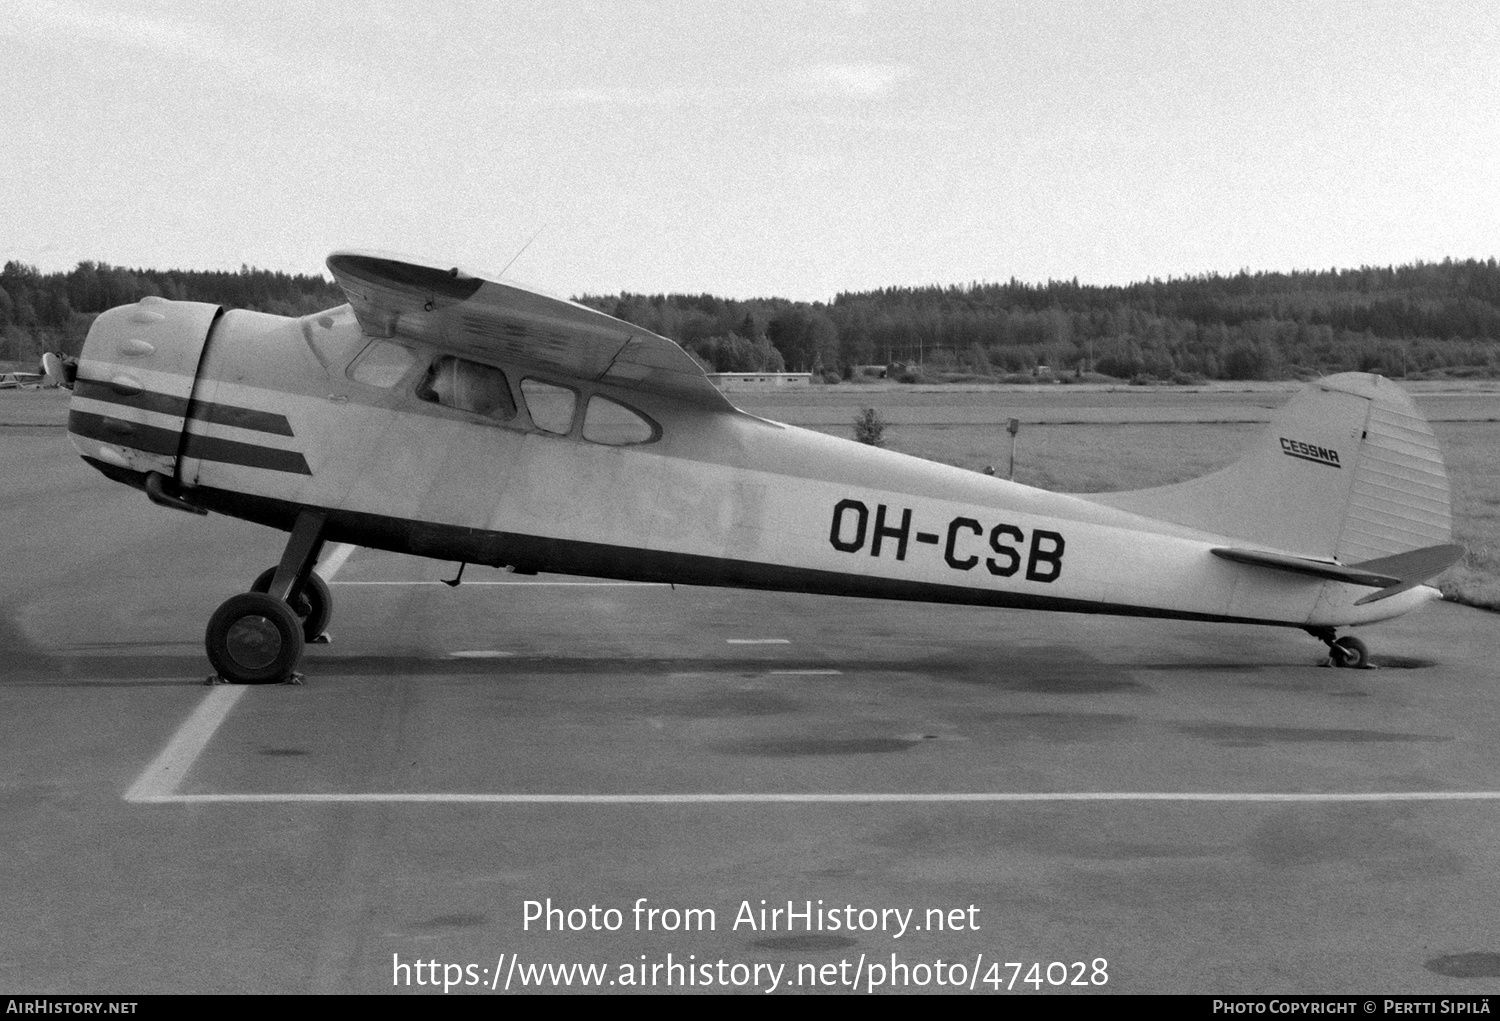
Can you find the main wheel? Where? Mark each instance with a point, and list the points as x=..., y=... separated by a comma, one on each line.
x=254, y=639
x=1350, y=652
x=314, y=604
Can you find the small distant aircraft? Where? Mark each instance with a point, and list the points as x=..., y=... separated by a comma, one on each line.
x=448, y=416
x=57, y=370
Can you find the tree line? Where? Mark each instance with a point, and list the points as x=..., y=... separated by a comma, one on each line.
x=1399, y=321
x=53, y=311
x=1423, y=318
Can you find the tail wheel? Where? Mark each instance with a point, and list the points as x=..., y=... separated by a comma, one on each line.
x=1350, y=652
x=314, y=604
x=254, y=639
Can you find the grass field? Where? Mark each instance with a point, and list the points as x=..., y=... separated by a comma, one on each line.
x=1472, y=453
x=1102, y=458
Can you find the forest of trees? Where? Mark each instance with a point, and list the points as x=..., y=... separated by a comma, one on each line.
x=1401, y=321
x=53, y=311
x=1421, y=319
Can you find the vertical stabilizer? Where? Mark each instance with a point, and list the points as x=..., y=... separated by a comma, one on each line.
x=1347, y=469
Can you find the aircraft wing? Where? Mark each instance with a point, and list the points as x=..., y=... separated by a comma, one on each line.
x=467, y=314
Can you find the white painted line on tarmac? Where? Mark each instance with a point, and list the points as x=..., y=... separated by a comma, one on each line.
x=759, y=641
x=160, y=779
x=479, y=654
x=814, y=799
x=158, y=782
x=804, y=673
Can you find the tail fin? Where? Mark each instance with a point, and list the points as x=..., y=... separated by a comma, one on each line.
x=1348, y=469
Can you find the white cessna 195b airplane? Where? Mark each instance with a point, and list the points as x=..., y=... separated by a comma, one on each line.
x=448, y=416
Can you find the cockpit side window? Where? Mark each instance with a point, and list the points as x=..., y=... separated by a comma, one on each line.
x=551, y=406
x=382, y=364
x=611, y=423
x=468, y=386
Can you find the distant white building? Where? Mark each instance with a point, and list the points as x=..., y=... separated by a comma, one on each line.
x=758, y=380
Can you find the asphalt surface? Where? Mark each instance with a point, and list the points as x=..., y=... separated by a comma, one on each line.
x=1203, y=807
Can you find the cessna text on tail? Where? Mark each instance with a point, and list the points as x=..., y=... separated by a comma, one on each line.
x=448, y=416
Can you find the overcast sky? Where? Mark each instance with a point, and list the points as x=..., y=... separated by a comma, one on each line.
x=788, y=149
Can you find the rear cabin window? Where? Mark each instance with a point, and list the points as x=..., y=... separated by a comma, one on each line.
x=382, y=364
x=608, y=422
x=468, y=386
x=551, y=406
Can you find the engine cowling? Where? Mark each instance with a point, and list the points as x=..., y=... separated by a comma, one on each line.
x=134, y=387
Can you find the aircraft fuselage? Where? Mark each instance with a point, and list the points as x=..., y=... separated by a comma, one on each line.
x=272, y=416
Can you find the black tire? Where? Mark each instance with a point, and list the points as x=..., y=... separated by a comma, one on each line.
x=254, y=639
x=314, y=604
x=1351, y=653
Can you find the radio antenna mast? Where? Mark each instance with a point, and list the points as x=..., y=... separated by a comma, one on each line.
x=527, y=245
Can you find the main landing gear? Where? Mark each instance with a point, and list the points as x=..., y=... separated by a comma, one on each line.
x=257, y=637
x=1347, y=652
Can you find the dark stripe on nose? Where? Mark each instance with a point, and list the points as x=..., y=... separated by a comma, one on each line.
x=167, y=404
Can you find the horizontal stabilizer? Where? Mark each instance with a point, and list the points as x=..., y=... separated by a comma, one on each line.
x=1392, y=575
x=1418, y=564
x=1412, y=568
x=1301, y=565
